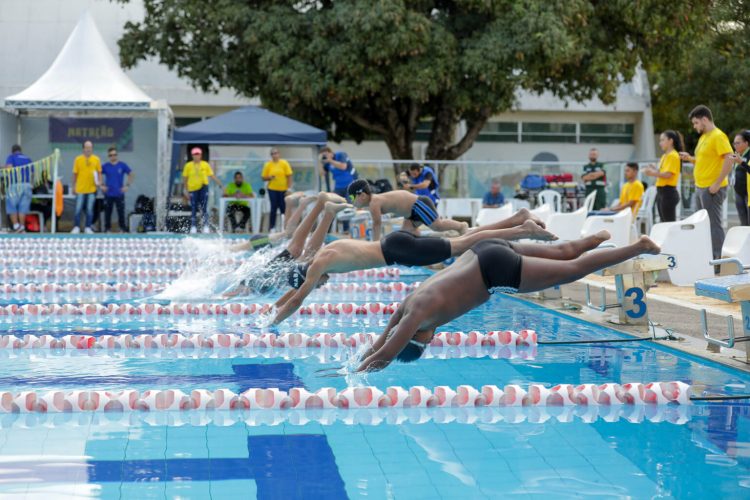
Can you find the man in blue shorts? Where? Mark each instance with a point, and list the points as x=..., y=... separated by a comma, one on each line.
x=18, y=190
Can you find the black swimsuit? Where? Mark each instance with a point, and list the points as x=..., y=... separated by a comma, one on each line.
x=499, y=264
x=423, y=212
x=406, y=249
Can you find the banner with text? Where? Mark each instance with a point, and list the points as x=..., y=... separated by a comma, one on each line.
x=105, y=132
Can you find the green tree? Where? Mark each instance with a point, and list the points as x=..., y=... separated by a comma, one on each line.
x=383, y=66
x=712, y=70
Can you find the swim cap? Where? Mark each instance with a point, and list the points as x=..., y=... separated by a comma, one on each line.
x=357, y=187
x=297, y=275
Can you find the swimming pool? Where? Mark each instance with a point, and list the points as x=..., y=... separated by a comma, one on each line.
x=700, y=450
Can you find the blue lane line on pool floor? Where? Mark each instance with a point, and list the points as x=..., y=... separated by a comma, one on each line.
x=246, y=376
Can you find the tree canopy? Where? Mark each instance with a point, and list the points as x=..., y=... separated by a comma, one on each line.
x=382, y=67
x=713, y=70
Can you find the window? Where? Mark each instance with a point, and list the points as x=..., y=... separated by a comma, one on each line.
x=424, y=130
x=499, y=132
x=607, y=133
x=548, y=132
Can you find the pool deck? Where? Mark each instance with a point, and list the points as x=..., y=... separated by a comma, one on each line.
x=672, y=307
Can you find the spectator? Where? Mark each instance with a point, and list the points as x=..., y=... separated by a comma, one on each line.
x=114, y=188
x=18, y=191
x=239, y=189
x=595, y=179
x=424, y=182
x=742, y=146
x=713, y=162
x=667, y=175
x=493, y=198
x=278, y=173
x=340, y=167
x=86, y=170
x=196, y=175
x=631, y=192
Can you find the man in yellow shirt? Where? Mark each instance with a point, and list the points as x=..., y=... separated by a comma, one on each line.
x=278, y=173
x=713, y=162
x=631, y=192
x=87, y=169
x=196, y=175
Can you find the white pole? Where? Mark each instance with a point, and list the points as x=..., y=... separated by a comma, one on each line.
x=54, y=185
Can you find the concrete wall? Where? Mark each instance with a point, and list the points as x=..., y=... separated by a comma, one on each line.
x=35, y=142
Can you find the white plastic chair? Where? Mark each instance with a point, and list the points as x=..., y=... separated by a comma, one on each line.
x=737, y=244
x=567, y=226
x=552, y=197
x=645, y=214
x=459, y=207
x=491, y=215
x=519, y=204
x=689, y=242
x=589, y=201
x=619, y=226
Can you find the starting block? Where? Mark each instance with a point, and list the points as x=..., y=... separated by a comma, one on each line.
x=633, y=278
x=732, y=288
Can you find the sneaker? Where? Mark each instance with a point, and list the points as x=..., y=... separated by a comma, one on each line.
x=206, y=230
x=75, y=230
x=193, y=229
x=88, y=230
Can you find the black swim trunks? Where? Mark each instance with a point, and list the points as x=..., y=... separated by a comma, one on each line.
x=282, y=258
x=423, y=212
x=406, y=249
x=499, y=264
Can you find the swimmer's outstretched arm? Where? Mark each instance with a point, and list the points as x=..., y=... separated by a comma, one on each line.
x=403, y=332
x=297, y=297
x=285, y=298
x=380, y=341
x=242, y=247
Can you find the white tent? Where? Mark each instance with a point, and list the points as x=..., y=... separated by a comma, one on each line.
x=86, y=80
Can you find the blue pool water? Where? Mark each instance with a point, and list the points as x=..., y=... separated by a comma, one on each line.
x=698, y=451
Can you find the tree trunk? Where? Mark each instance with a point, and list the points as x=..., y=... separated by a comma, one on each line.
x=401, y=149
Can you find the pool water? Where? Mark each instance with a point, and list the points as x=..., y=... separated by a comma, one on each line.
x=698, y=451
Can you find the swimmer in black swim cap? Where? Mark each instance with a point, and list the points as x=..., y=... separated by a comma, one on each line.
x=490, y=266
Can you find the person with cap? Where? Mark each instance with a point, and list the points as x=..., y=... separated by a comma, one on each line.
x=490, y=266
x=196, y=176
x=416, y=210
x=399, y=248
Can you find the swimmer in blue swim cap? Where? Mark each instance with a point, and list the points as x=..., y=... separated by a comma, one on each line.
x=490, y=266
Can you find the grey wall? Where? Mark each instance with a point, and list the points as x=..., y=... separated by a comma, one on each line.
x=35, y=143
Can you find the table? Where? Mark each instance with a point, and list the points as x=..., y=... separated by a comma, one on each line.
x=258, y=206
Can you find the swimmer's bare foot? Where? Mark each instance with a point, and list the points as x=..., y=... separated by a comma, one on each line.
x=333, y=208
x=306, y=200
x=534, y=231
x=525, y=214
x=601, y=236
x=332, y=197
x=647, y=245
x=464, y=227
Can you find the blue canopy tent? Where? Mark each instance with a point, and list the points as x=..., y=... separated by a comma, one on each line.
x=250, y=126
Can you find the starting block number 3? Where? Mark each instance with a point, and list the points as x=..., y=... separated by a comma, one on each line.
x=636, y=308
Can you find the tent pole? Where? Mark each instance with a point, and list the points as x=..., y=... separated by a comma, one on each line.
x=54, y=183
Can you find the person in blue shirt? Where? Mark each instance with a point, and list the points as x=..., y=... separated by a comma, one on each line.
x=18, y=189
x=114, y=188
x=493, y=198
x=340, y=167
x=424, y=181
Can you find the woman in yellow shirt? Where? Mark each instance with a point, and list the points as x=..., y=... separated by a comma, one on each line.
x=667, y=175
x=278, y=173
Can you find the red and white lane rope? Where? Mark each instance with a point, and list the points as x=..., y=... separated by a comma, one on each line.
x=441, y=342
x=96, y=254
x=673, y=414
x=109, y=262
x=655, y=393
x=26, y=289
x=95, y=312
x=25, y=275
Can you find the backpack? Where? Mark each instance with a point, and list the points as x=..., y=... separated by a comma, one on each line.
x=382, y=185
x=143, y=205
x=533, y=182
